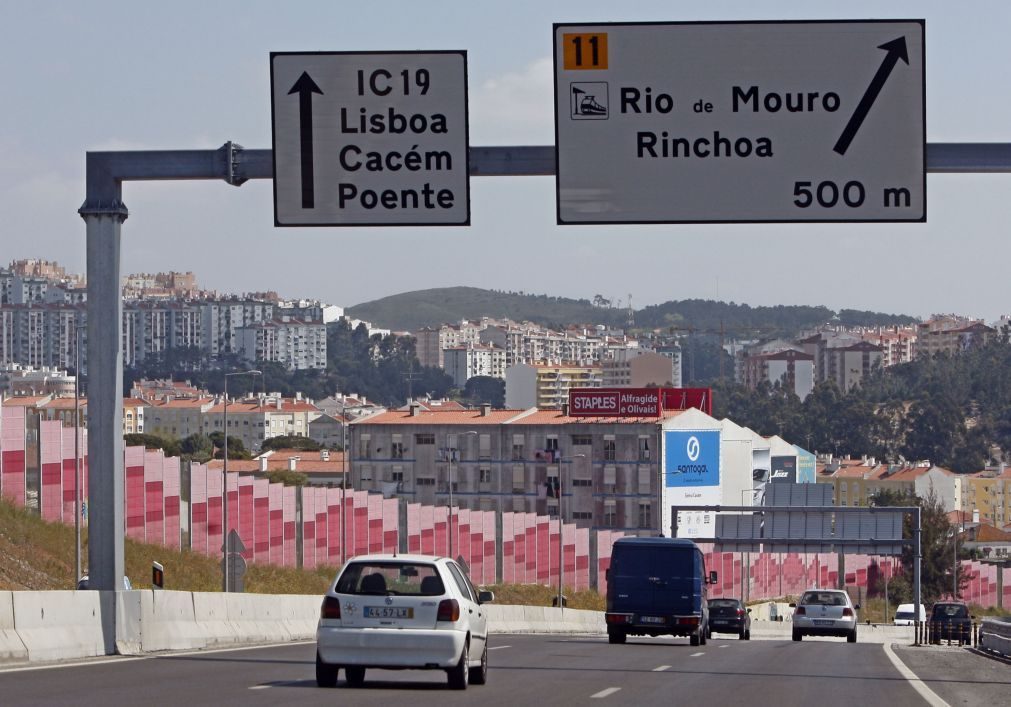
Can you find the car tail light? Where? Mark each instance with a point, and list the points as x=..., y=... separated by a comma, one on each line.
x=618, y=618
x=847, y=611
x=800, y=611
x=331, y=608
x=740, y=612
x=449, y=610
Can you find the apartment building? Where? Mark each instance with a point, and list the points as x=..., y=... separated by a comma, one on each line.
x=987, y=494
x=790, y=368
x=464, y=362
x=546, y=385
x=16, y=379
x=639, y=368
x=509, y=459
x=295, y=344
x=856, y=481
x=945, y=336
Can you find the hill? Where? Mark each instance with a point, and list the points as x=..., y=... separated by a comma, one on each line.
x=412, y=310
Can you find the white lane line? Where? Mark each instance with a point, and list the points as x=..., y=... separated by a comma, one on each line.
x=724, y=645
x=497, y=648
x=605, y=693
x=260, y=687
x=212, y=651
x=75, y=664
x=925, y=692
x=696, y=655
x=661, y=668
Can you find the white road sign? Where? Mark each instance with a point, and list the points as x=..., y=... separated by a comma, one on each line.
x=740, y=122
x=370, y=139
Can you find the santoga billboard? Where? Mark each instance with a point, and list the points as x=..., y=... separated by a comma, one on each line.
x=692, y=478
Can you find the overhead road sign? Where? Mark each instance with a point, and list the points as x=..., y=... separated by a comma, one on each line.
x=816, y=121
x=370, y=138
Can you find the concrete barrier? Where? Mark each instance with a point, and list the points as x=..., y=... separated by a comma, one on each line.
x=167, y=622
x=866, y=633
x=12, y=648
x=59, y=625
x=504, y=618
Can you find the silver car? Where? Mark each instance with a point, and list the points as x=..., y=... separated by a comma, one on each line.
x=402, y=611
x=825, y=612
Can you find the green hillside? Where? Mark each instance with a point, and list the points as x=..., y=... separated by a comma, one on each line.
x=413, y=310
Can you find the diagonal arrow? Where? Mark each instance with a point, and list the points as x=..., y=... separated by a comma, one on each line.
x=896, y=50
x=305, y=87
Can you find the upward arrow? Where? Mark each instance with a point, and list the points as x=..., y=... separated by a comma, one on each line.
x=305, y=87
x=896, y=49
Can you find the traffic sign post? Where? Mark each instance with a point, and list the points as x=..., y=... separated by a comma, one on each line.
x=740, y=122
x=370, y=139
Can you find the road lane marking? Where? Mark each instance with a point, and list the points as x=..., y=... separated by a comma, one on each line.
x=75, y=664
x=724, y=645
x=661, y=668
x=605, y=693
x=495, y=648
x=925, y=692
x=696, y=655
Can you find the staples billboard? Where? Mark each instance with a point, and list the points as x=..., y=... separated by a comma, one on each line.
x=614, y=402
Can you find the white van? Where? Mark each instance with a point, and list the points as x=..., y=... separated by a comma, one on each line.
x=904, y=615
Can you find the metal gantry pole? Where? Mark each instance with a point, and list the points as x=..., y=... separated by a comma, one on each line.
x=77, y=453
x=449, y=517
x=917, y=597
x=227, y=580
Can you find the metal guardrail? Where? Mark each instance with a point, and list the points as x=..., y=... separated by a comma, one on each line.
x=995, y=636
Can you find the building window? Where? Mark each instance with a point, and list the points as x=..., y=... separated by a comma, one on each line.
x=644, y=449
x=581, y=515
x=582, y=440
x=610, y=514
x=519, y=479
x=609, y=450
x=644, y=515
x=484, y=475
x=582, y=482
x=397, y=474
x=551, y=445
x=425, y=482
x=424, y=439
x=517, y=452
x=397, y=450
x=365, y=447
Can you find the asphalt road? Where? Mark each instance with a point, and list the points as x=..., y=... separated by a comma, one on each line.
x=525, y=670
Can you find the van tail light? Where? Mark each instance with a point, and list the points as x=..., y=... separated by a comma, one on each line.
x=449, y=610
x=800, y=611
x=618, y=618
x=331, y=608
x=847, y=611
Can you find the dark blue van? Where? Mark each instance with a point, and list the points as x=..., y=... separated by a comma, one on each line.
x=656, y=587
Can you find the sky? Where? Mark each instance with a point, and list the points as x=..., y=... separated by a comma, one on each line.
x=134, y=75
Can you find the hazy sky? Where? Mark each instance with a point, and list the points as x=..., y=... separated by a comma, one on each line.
x=94, y=75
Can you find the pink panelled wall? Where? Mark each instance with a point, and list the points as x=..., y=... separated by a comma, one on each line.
x=265, y=516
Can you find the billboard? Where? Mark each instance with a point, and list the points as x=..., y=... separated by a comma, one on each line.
x=806, y=463
x=684, y=398
x=691, y=472
x=784, y=470
x=614, y=402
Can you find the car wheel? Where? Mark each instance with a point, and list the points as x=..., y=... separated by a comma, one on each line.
x=851, y=637
x=796, y=635
x=326, y=674
x=355, y=675
x=694, y=639
x=479, y=676
x=614, y=637
x=458, y=675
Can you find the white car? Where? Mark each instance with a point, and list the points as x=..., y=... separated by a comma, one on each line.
x=402, y=611
x=825, y=612
x=905, y=616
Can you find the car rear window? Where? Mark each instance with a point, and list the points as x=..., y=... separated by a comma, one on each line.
x=398, y=578
x=823, y=599
x=952, y=611
x=903, y=614
x=723, y=603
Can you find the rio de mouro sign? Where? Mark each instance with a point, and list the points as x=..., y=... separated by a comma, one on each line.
x=370, y=138
x=614, y=402
x=740, y=122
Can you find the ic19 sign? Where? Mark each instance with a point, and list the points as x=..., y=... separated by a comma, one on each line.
x=614, y=402
x=740, y=122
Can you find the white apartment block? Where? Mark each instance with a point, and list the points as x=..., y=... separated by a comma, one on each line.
x=648, y=368
x=464, y=362
x=295, y=344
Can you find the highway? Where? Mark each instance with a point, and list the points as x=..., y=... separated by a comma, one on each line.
x=527, y=670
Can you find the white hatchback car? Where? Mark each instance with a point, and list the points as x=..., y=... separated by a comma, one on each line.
x=402, y=611
x=825, y=612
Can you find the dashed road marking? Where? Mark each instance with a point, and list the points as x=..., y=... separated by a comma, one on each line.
x=496, y=648
x=605, y=693
x=696, y=655
x=661, y=668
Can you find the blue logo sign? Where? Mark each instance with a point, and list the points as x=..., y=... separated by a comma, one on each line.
x=692, y=459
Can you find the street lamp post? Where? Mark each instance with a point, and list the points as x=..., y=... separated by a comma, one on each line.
x=226, y=584
x=449, y=521
x=344, y=480
x=77, y=452
x=561, y=545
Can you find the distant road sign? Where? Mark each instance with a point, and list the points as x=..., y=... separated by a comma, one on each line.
x=370, y=139
x=740, y=122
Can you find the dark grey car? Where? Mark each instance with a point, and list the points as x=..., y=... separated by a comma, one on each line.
x=729, y=616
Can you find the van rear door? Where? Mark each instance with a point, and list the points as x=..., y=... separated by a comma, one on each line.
x=675, y=580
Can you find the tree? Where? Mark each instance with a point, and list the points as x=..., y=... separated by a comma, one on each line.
x=236, y=449
x=197, y=447
x=288, y=478
x=485, y=389
x=937, y=538
x=169, y=446
x=291, y=442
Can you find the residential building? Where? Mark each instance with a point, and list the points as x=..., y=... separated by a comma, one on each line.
x=462, y=363
x=640, y=368
x=16, y=379
x=295, y=344
x=792, y=369
x=945, y=336
x=987, y=495
x=546, y=385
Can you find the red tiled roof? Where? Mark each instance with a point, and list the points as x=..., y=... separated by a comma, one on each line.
x=439, y=417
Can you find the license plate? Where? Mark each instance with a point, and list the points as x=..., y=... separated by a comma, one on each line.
x=823, y=622
x=389, y=612
x=652, y=619
x=719, y=622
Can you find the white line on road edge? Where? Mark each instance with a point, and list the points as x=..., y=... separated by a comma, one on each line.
x=236, y=649
x=605, y=693
x=696, y=655
x=497, y=648
x=925, y=692
x=98, y=660
x=661, y=668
